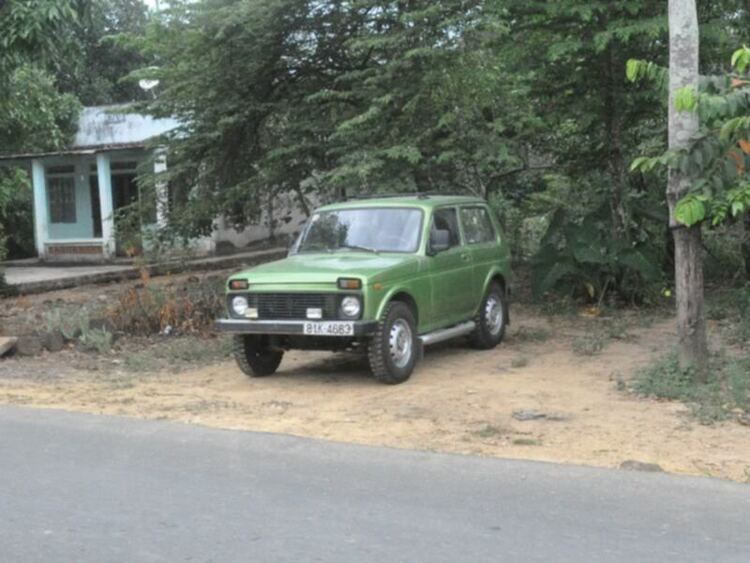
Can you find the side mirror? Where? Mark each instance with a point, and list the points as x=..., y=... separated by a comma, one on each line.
x=440, y=240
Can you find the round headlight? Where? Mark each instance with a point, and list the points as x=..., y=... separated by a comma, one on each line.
x=239, y=305
x=350, y=306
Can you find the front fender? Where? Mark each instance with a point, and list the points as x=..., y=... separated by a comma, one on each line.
x=417, y=291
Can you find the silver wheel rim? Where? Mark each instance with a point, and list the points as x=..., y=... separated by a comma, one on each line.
x=400, y=343
x=493, y=314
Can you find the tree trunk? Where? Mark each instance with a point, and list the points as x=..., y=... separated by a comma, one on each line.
x=612, y=70
x=746, y=245
x=683, y=71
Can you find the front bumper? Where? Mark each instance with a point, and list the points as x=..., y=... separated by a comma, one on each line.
x=239, y=326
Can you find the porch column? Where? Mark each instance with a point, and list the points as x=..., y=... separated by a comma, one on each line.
x=41, y=212
x=104, y=176
x=162, y=190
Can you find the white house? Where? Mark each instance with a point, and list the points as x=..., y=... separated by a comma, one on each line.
x=78, y=190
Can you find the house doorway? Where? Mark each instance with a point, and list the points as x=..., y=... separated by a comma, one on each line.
x=126, y=207
x=96, y=206
x=125, y=203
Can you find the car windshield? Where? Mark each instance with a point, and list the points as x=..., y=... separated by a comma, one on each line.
x=368, y=229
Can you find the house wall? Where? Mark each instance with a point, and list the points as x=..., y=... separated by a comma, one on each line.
x=85, y=168
x=78, y=240
x=288, y=217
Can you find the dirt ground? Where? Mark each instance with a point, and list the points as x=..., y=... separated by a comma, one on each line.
x=459, y=400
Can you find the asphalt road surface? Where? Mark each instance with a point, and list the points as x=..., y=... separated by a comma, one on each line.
x=84, y=488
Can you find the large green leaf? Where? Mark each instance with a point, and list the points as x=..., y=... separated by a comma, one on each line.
x=545, y=279
x=690, y=211
x=637, y=261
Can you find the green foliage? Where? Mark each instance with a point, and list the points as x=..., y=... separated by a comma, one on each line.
x=34, y=116
x=590, y=344
x=93, y=61
x=317, y=98
x=741, y=59
x=685, y=99
x=96, y=340
x=733, y=309
x=719, y=158
x=16, y=217
x=71, y=323
x=636, y=70
x=584, y=257
x=29, y=28
x=728, y=387
x=690, y=210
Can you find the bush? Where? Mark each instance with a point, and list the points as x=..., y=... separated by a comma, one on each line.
x=154, y=309
x=5, y=289
x=70, y=323
x=734, y=308
x=16, y=215
x=724, y=256
x=96, y=340
x=584, y=257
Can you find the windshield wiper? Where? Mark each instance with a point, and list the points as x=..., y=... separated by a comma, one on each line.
x=358, y=247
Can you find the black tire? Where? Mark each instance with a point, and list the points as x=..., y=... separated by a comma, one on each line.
x=487, y=334
x=254, y=356
x=385, y=367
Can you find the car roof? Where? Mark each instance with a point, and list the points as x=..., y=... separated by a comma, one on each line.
x=417, y=200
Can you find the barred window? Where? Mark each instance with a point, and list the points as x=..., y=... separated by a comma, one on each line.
x=61, y=191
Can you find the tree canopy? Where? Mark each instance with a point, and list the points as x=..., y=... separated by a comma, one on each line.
x=524, y=102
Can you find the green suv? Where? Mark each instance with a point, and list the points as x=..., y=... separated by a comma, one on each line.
x=384, y=276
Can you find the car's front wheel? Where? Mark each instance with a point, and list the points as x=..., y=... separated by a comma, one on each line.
x=394, y=348
x=254, y=355
x=490, y=319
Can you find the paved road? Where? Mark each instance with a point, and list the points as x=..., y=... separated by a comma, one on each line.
x=84, y=488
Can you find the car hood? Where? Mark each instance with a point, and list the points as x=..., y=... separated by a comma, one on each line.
x=314, y=268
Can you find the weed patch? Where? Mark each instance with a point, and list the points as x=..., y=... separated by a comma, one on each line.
x=96, y=340
x=732, y=310
x=519, y=362
x=489, y=431
x=177, y=354
x=726, y=392
x=589, y=344
x=531, y=334
x=153, y=309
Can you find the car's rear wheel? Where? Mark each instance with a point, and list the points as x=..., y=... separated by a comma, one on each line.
x=394, y=348
x=254, y=355
x=490, y=319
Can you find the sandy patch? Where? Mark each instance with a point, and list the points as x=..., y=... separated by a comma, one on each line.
x=459, y=400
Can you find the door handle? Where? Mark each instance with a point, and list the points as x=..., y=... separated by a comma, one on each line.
x=465, y=257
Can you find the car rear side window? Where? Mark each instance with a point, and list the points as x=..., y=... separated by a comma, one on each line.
x=477, y=225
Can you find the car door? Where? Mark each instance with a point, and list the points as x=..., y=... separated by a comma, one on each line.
x=481, y=242
x=451, y=273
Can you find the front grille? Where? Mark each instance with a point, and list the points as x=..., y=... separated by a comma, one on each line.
x=292, y=306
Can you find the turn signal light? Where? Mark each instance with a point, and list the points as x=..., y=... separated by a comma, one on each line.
x=350, y=283
x=238, y=284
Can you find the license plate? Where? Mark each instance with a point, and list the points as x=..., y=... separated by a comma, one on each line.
x=329, y=329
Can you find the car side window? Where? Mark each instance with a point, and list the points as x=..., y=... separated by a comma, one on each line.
x=446, y=219
x=477, y=225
